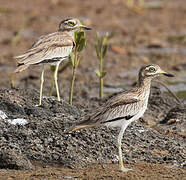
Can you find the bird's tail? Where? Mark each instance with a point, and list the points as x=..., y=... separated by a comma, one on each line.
x=86, y=122
x=78, y=127
x=21, y=68
x=19, y=56
x=21, y=64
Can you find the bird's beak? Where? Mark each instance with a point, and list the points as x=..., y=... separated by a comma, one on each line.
x=167, y=74
x=85, y=27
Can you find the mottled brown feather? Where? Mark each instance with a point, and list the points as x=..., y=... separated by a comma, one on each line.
x=42, y=47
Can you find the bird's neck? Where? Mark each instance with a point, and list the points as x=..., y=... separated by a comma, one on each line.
x=144, y=85
x=144, y=81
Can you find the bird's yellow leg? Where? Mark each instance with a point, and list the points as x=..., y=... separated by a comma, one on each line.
x=120, y=136
x=41, y=85
x=120, y=156
x=55, y=80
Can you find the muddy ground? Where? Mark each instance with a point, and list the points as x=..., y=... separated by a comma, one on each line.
x=153, y=146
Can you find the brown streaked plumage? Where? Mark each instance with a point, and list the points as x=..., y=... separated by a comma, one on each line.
x=44, y=50
x=51, y=49
x=124, y=108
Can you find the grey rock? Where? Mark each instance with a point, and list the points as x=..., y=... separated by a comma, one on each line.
x=12, y=159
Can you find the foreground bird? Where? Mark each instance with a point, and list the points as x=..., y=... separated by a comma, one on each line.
x=124, y=108
x=51, y=49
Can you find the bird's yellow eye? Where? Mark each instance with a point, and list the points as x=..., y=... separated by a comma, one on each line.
x=70, y=23
x=152, y=69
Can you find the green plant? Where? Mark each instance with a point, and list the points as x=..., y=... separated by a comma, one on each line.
x=101, y=49
x=80, y=42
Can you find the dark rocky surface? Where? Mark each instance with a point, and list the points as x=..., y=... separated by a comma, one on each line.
x=12, y=158
x=43, y=137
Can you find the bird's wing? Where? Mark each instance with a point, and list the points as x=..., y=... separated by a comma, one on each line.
x=122, y=99
x=122, y=106
x=47, y=47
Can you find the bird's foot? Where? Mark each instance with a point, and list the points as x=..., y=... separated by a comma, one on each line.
x=38, y=105
x=122, y=169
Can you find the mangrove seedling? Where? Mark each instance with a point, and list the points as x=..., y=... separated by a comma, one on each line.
x=101, y=49
x=80, y=42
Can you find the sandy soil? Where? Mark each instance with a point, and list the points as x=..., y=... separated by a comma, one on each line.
x=97, y=171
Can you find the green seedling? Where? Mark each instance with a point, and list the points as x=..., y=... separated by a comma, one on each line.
x=101, y=49
x=80, y=42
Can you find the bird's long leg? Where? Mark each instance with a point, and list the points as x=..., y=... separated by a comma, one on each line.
x=41, y=86
x=55, y=80
x=120, y=136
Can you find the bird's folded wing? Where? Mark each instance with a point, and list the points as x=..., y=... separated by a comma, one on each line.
x=117, y=108
x=47, y=47
x=121, y=101
x=63, y=38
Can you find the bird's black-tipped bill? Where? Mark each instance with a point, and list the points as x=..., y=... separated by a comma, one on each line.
x=168, y=74
x=86, y=28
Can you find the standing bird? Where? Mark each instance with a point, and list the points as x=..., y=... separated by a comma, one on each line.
x=124, y=108
x=51, y=49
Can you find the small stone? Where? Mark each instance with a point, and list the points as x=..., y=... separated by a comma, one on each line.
x=67, y=177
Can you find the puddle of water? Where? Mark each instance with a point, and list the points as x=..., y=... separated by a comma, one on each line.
x=181, y=94
x=6, y=68
x=178, y=88
x=145, y=51
x=176, y=84
x=111, y=90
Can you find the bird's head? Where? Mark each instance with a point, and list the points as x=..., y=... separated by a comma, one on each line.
x=72, y=24
x=152, y=71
